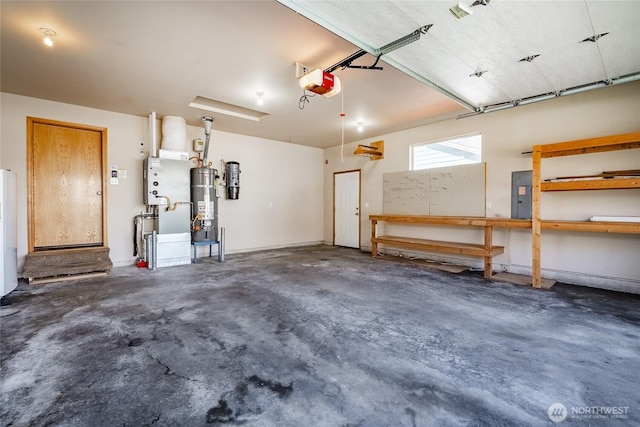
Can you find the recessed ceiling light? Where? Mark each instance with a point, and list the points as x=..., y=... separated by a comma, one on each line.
x=227, y=109
x=260, y=99
x=460, y=11
x=48, y=36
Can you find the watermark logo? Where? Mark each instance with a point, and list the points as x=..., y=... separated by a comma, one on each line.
x=557, y=412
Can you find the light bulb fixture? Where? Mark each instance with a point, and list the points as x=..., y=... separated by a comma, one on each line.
x=360, y=126
x=48, y=34
x=260, y=99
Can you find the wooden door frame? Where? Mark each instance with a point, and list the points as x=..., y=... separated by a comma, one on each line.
x=31, y=121
x=359, y=204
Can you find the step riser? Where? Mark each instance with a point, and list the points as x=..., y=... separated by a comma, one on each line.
x=66, y=262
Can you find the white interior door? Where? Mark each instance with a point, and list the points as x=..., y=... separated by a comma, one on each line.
x=346, y=211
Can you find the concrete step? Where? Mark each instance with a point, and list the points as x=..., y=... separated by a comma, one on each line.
x=66, y=262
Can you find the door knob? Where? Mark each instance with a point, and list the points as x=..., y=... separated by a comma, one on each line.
x=98, y=193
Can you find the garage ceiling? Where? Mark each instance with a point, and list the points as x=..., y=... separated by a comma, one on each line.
x=503, y=51
x=141, y=56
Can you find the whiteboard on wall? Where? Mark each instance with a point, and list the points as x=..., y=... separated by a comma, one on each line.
x=450, y=191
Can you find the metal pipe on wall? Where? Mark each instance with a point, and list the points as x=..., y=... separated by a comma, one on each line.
x=152, y=134
x=154, y=250
x=207, y=131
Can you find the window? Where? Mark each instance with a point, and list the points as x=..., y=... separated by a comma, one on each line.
x=450, y=152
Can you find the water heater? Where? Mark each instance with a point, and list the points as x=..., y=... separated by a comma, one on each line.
x=204, y=205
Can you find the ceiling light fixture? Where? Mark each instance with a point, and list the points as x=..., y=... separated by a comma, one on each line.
x=229, y=109
x=480, y=3
x=459, y=11
x=260, y=99
x=48, y=34
x=360, y=126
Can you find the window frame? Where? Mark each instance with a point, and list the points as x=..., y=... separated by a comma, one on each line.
x=438, y=141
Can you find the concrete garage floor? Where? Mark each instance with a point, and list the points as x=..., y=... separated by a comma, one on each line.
x=316, y=336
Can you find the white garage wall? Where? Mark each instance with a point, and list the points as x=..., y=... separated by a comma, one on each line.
x=280, y=200
x=592, y=259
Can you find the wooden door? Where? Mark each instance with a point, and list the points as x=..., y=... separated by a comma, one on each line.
x=346, y=209
x=66, y=168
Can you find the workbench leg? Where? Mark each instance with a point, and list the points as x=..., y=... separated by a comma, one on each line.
x=374, y=245
x=488, y=242
x=487, y=267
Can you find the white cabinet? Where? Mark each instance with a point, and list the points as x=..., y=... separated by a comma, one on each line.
x=8, y=232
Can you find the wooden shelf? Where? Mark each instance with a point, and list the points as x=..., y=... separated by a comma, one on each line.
x=464, y=221
x=584, y=146
x=593, y=226
x=375, y=151
x=625, y=141
x=440, y=246
x=592, y=184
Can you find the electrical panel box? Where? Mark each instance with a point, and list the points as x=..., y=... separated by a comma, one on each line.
x=166, y=181
x=521, y=184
